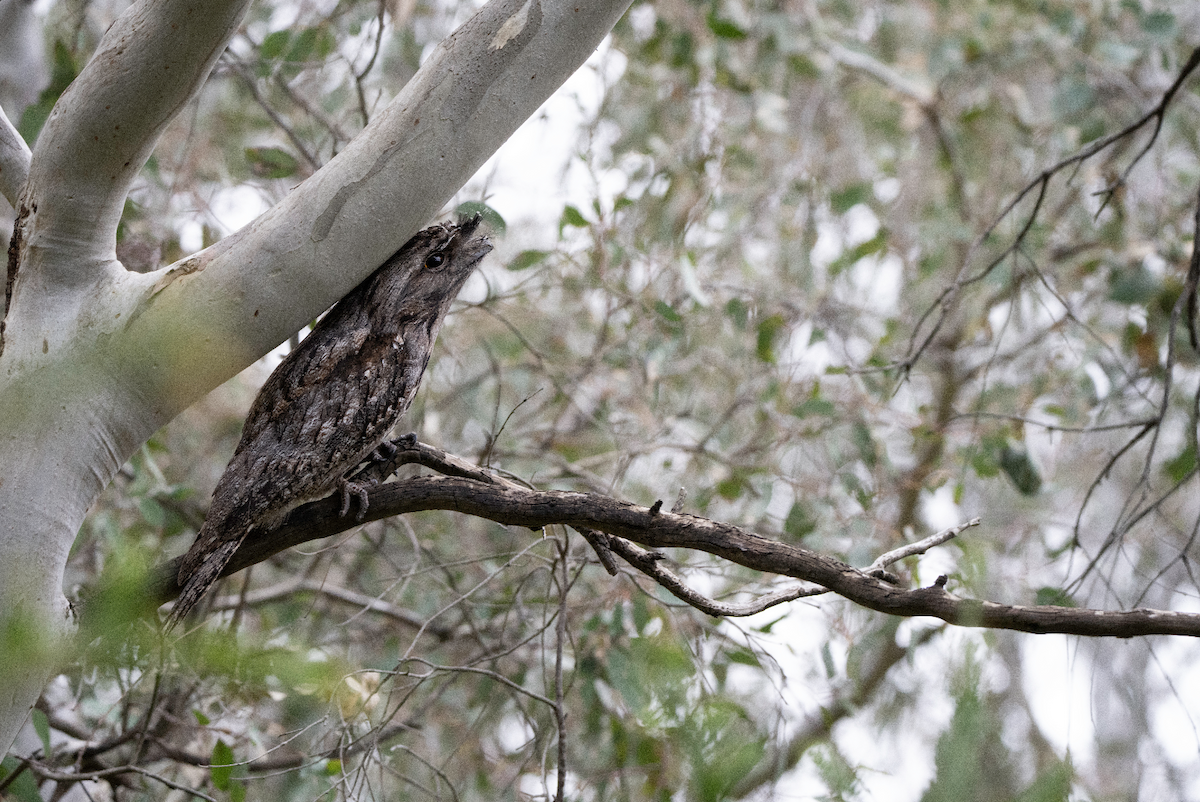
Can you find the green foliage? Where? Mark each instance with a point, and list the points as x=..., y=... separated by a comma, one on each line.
x=770, y=330
x=872, y=247
x=222, y=768
x=840, y=777
x=1159, y=24
x=843, y=200
x=1055, y=596
x=651, y=676
x=966, y=752
x=999, y=454
x=972, y=762
x=668, y=314
x=1181, y=467
x=63, y=71
x=293, y=50
x=1052, y=784
x=24, y=787
x=222, y=772
x=1134, y=285
x=713, y=736
x=723, y=28
x=271, y=162
x=491, y=217
x=527, y=259
x=723, y=746
x=571, y=217
x=800, y=521
x=815, y=406
x=41, y=725
x=1019, y=468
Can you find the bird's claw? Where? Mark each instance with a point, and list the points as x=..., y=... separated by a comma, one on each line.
x=358, y=491
x=384, y=451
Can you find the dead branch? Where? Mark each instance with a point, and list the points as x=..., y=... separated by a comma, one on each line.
x=486, y=496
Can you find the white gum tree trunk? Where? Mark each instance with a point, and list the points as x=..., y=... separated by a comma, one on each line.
x=96, y=358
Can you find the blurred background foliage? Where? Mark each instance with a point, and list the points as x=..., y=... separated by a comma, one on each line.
x=742, y=303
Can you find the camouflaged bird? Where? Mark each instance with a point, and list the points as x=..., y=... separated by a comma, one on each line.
x=331, y=403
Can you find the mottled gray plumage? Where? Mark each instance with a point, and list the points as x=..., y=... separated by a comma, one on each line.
x=333, y=400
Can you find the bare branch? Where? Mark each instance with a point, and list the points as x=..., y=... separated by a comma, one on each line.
x=359, y=208
x=604, y=544
x=560, y=639
x=47, y=773
x=536, y=509
x=918, y=91
x=332, y=591
x=946, y=300
x=484, y=672
x=920, y=547
x=107, y=122
x=313, y=110
x=1193, y=278
x=650, y=564
x=251, y=83
x=885, y=74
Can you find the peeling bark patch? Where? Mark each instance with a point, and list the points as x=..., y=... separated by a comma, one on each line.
x=193, y=265
x=511, y=28
x=15, y=246
x=14, y=254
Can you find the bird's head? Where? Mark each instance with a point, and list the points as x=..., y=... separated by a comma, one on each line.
x=432, y=267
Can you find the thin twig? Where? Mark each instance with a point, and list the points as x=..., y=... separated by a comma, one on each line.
x=409, y=450
x=360, y=75
x=945, y=301
x=485, y=672
x=251, y=83
x=1095, y=485
x=1054, y=427
x=331, y=125
x=650, y=564
x=1193, y=277
x=920, y=547
x=325, y=588
x=560, y=637
x=47, y=773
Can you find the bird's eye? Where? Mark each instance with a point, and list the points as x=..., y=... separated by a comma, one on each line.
x=436, y=259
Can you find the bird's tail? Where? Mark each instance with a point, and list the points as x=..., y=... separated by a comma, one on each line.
x=201, y=580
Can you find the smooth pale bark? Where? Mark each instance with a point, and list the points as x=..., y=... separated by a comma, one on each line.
x=96, y=359
x=14, y=160
x=68, y=419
